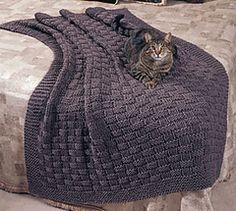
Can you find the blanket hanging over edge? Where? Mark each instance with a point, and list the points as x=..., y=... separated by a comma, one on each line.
x=95, y=134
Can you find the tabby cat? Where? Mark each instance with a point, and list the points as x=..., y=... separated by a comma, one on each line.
x=149, y=57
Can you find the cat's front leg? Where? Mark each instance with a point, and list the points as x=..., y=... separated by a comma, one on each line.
x=143, y=77
x=151, y=84
x=139, y=75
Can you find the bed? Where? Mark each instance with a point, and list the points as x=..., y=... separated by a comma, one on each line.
x=24, y=61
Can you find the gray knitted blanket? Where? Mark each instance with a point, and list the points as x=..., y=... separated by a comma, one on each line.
x=95, y=134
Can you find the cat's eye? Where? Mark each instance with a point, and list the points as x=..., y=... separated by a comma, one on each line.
x=160, y=48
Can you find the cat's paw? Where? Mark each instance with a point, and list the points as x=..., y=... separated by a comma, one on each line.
x=151, y=84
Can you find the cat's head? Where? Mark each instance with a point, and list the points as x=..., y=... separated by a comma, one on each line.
x=157, y=50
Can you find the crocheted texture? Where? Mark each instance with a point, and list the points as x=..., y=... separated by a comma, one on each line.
x=95, y=134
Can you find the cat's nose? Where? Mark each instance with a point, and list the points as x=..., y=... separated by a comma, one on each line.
x=156, y=57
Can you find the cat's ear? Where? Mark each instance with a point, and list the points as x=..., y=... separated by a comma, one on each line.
x=147, y=37
x=168, y=37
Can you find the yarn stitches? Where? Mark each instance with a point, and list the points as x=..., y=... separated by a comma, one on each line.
x=95, y=134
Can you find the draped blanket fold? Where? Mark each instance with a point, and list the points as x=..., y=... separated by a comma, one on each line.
x=95, y=134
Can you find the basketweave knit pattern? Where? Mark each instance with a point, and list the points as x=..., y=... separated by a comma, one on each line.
x=95, y=134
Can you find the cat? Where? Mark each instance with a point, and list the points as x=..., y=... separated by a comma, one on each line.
x=149, y=57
